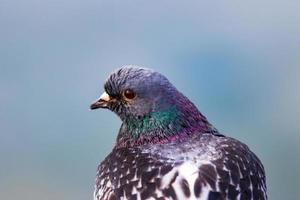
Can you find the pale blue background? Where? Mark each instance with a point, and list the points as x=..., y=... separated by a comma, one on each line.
x=238, y=61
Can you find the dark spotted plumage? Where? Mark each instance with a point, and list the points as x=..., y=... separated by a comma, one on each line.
x=230, y=171
x=192, y=162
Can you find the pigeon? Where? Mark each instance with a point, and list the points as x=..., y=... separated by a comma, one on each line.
x=167, y=150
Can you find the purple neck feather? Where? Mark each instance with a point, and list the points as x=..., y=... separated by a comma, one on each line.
x=183, y=120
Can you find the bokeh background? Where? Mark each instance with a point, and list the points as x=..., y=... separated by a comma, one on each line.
x=237, y=61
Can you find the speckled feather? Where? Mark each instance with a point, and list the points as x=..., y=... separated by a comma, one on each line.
x=203, y=166
x=168, y=150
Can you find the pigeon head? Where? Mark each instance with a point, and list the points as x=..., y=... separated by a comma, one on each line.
x=151, y=108
x=133, y=92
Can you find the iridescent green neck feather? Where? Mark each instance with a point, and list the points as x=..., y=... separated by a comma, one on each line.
x=179, y=120
x=151, y=122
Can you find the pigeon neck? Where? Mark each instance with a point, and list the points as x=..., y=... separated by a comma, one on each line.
x=176, y=122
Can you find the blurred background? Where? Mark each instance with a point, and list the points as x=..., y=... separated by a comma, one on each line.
x=237, y=61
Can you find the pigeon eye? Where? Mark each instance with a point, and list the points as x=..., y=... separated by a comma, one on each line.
x=129, y=94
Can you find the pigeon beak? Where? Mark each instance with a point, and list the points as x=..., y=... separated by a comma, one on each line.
x=102, y=102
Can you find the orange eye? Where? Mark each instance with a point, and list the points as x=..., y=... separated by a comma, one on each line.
x=129, y=94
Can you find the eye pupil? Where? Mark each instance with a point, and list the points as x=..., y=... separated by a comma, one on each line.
x=129, y=94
